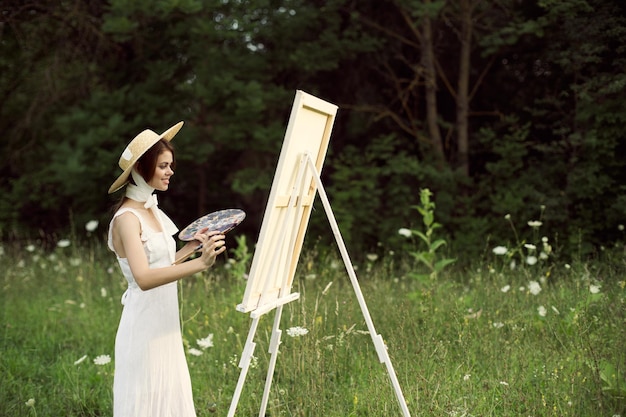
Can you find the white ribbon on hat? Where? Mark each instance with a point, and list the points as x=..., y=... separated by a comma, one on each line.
x=143, y=193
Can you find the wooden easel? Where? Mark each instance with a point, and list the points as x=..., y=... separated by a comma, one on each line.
x=300, y=196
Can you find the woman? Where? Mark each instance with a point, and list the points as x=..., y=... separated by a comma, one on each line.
x=151, y=374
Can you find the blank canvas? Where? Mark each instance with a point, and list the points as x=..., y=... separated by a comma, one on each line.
x=284, y=226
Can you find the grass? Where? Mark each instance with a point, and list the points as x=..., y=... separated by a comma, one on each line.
x=460, y=345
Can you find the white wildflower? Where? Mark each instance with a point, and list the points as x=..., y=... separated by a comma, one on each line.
x=297, y=331
x=535, y=223
x=372, y=257
x=500, y=250
x=405, y=232
x=91, y=225
x=505, y=289
x=207, y=342
x=531, y=260
x=542, y=311
x=102, y=359
x=534, y=287
x=530, y=246
x=195, y=352
x=63, y=243
x=594, y=289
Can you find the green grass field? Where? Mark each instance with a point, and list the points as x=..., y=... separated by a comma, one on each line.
x=480, y=341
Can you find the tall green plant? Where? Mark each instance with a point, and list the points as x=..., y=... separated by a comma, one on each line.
x=428, y=256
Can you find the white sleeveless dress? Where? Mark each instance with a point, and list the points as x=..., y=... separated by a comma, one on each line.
x=151, y=374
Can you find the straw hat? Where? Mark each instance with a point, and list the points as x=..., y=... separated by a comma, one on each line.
x=136, y=148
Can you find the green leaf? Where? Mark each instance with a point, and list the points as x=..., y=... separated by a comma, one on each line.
x=442, y=263
x=437, y=244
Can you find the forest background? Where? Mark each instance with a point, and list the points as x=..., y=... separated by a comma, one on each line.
x=509, y=107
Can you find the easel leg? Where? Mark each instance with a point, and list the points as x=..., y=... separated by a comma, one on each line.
x=273, y=350
x=244, y=364
x=379, y=344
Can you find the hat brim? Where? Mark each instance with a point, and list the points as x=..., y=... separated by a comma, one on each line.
x=122, y=180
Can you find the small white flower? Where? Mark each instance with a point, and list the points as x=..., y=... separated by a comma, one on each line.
x=195, y=352
x=297, y=331
x=542, y=311
x=506, y=288
x=513, y=265
x=567, y=266
x=500, y=250
x=466, y=377
x=498, y=325
x=405, y=232
x=30, y=403
x=594, y=289
x=63, y=243
x=103, y=292
x=531, y=260
x=102, y=359
x=507, y=217
x=530, y=246
x=81, y=360
x=91, y=225
x=534, y=287
x=372, y=257
x=620, y=227
x=534, y=223
x=207, y=342
x=30, y=248
x=506, y=384
x=543, y=256
x=544, y=239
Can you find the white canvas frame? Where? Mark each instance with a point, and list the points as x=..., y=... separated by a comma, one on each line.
x=289, y=205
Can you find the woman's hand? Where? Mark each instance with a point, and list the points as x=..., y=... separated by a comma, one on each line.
x=212, y=245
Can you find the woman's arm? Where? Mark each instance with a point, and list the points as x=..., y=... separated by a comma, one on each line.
x=128, y=228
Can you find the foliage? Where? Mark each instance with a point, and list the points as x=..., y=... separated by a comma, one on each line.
x=544, y=114
x=428, y=257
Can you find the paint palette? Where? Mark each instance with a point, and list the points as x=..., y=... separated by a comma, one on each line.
x=221, y=221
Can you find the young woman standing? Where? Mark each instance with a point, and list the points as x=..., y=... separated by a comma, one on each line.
x=151, y=374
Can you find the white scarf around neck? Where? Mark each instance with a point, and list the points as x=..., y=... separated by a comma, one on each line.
x=143, y=193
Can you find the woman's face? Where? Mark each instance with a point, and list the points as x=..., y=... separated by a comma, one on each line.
x=163, y=171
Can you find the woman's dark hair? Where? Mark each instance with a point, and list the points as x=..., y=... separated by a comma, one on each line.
x=147, y=163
